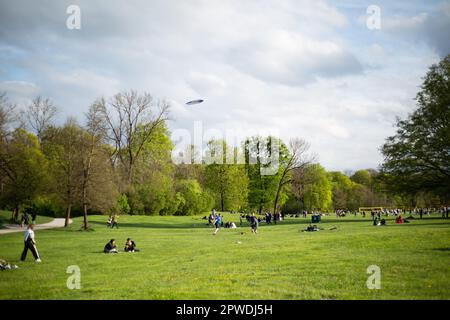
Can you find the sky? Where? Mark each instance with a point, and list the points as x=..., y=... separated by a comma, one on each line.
x=315, y=70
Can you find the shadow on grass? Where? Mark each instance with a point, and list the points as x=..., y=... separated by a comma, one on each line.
x=154, y=225
x=442, y=249
x=412, y=224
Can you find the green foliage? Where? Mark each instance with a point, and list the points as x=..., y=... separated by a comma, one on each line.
x=122, y=204
x=228, y=183
x=26, y=169
x=318, y=189
x=262, y=187
x=47, y=206
x=180, y=259
x=192, y=199
x=362, y=177
x=417, y=157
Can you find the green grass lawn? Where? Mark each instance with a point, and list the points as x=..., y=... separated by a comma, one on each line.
x=181, y=259
x=5, y=216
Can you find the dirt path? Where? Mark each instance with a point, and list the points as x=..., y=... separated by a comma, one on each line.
x=56, y=223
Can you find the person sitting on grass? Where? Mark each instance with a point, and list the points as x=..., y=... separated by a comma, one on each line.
x=130, y=246
x=111, y=247
x=376, y=222
x=399, y=219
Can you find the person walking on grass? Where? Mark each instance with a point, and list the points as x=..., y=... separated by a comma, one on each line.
x=217, y=224
x=254, y=223
x=30, y=243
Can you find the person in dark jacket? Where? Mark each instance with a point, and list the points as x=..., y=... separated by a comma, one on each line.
x=130, y=246
x=254, y=223
x=111, y=247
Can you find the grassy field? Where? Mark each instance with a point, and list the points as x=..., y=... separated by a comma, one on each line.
x=5, y=216
x=181, y=259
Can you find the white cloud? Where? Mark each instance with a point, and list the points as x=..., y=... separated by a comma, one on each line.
x=295, y=67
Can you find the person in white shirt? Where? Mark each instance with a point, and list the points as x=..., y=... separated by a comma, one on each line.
x=30, y=243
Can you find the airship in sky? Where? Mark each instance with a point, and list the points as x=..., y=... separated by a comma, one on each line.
x=190, y=103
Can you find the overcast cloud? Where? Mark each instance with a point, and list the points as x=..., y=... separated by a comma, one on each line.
x=308, y=69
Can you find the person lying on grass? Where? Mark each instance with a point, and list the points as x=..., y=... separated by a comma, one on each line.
x=130, y=246
x=312, y=228
x=4, y=265
x=111, y=247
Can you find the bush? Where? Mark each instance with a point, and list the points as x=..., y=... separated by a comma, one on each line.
x=192, y=199
x=47, y=207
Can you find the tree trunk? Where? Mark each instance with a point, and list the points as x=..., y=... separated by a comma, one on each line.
x=85, y=219
x=276, y=199
x=16, y=214
x=68, y=212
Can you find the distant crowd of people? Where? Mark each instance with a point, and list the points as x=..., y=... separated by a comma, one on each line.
x=443, y=211
x=216, y=219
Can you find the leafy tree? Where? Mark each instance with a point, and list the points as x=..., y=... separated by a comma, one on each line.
x=417, y=157
x=25, y=168
x=227, y=181
x=154, y=182
x=296, y=158
x=342, y=188
x=61, y=145
x=317, y=188
x=96, y=176
x=263, y=171
x=192, y=199
x=362, y=177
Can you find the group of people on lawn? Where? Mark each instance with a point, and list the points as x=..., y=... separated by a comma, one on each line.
x=217, y=219
x=111, y=247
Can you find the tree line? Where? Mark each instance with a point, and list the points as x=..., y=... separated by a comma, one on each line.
x=118, y=160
